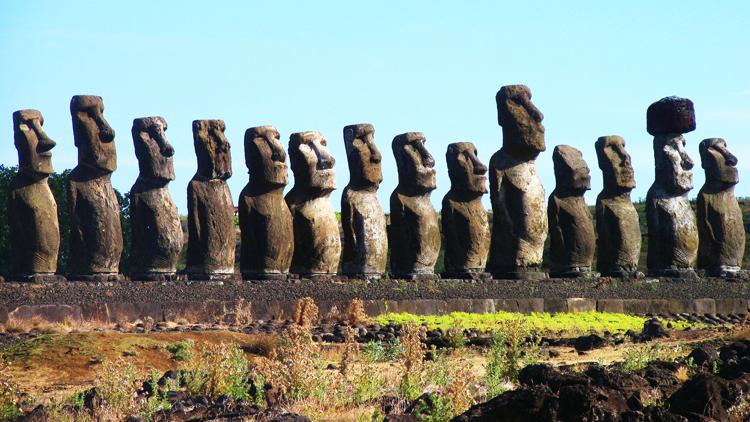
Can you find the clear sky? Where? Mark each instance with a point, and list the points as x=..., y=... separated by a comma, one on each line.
x=430, y=66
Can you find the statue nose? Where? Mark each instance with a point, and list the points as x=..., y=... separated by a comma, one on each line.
x=731, y=160
x=326, y=162
x=687, y=163
x=167, y=151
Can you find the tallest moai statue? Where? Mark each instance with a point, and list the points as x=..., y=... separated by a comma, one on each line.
x=672, y=232
x=518, y=200
x=95, y=234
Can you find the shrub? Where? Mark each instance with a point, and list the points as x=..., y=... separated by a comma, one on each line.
x=11, y=396
x=306, y=312
x=217, y=369
x=507, y=355
x=181, y=350
x=355, y=312
x=412, y=360
x=116, y=383
x=383, y=351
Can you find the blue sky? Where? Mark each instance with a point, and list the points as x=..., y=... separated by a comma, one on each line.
x=430, y=66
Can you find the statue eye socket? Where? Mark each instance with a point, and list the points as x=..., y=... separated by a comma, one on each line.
x=24, y=127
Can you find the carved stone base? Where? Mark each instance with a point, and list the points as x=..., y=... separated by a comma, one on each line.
x=416, y=276
x=39, y=278
x=476, y=275
x=156, y=277
x=730, y=273
x=622, y=273
x=366, y=277
x=265, y=276
x=318, y=277
x=211, y=276
x=687, y=274
x=519, y=273
x=574, y=272
x=97, y=278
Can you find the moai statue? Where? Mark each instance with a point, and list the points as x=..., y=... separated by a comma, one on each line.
x=265, y=219
x=32, y=210
x=154, y=222
x=619, y=232
x=317, y=242
x=571, y=227
x=95, y=232
x=211, y=234
x=519, y=213
x=362, y=217
x=463, y=218
x=414, y=234
x=720, y=228
x=672, y=231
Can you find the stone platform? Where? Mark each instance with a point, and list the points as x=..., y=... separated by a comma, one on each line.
x=198, y=301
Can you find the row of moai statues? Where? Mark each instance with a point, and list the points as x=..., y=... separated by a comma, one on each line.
x=299, y=234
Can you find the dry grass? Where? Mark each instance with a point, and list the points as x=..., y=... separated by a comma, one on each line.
x=306, y=312
x=355, y=313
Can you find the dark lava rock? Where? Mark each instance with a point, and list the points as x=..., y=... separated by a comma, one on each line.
x=653, y=328
x=651, y=414
x=590, y=403
x=707, y=395
x=545, y=374
x=625, y=382
x=661, y=375
x=535, y=403
x=704, y=355
x=589, y=342
x=39, y=414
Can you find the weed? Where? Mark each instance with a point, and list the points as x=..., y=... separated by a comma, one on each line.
x=434, y=408
x=455, y=335
x=130, y=353
x=116, y=383
x=181, y=350
x=638, y=357
x=380, y=351
x=412, y=361
x=306, y=312
x=355, y=312
x=11, y=397
x=507, y=355
x=217, y=369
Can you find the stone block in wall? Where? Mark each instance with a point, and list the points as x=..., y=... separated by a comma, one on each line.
x=580, y=304
x=3, y=314
x=506, y=305
x=731, y=306
x=610, y=305
x=635, y=306
x=555, y=305
x=422, y=306
x=527, y=306
x=704, y=306
x=273, y=309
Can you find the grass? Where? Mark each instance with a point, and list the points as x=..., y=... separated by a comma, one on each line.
x=559, y=323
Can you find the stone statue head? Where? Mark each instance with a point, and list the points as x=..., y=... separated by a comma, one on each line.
x=212, y=149
x=152, y=148
x=571, y=172
x=670, y=115
x=312, y=164
x=362, y=155
x=33, y=145
x=465, y=170
x=93, y=136
x=523, y=131
x=416, y=167
x=265, y=156
x=615, y=163
x=719, y=163
x=673, y=165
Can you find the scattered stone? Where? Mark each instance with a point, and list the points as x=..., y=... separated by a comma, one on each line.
x=518, y=208
x=414, y=233
x=317, y=242
x=589, y=342
x=653, y=328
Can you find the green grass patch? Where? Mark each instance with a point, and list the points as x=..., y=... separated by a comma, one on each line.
x=559, y=323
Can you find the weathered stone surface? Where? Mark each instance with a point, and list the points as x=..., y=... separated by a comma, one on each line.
x=464, y=219
x=670, y=115
x=154, y=221
x=414, y=234
x=720, y=229
x=211, y=235
x=32, y=210
x=571, y=227
x=265, y=219
x=362, y=217
x=518, y=200
x=317, y=242
x=95, y=232
x=672, y=231
x=619, y=232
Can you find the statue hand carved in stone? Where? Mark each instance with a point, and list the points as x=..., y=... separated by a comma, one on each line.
x=155, y=223
x=619, y=231
x=317, y=242
x=720, y=227
x=672, y=231
x=96, y=234
x=463, y=217
x=211, y=233
x=32, y=210
x=362, y=217
x=570, y=224
x=414, y=234
x=265, y=219
x=519, y=212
